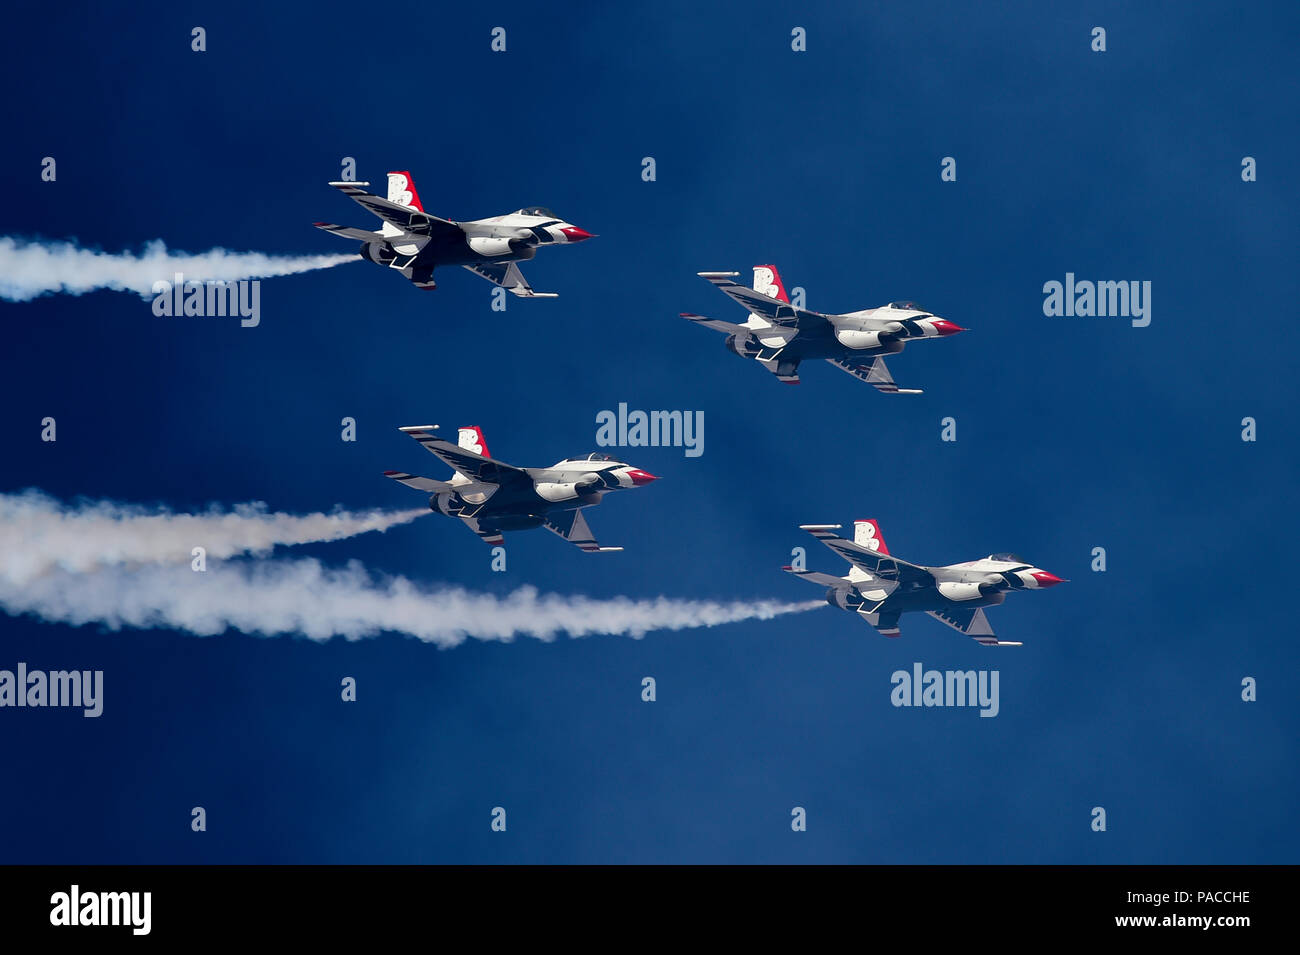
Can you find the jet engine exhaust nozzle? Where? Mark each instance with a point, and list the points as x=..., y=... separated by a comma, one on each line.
x=378, y=252
x=742, y=345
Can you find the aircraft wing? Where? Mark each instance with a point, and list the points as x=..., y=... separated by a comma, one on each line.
x=572, y=526
x=405, y=218
x=508, y=276
x=775, y=311
x=485, y=470
x=972, y=622
x=874, y=372
x=877, y=565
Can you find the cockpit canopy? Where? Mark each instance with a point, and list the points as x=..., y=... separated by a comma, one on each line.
x=906, y=306
x=1009, y=558
x=594, y=456
x=542, y=211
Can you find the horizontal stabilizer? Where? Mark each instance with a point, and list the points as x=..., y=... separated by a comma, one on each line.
x=348, y=232
x=825, y=580
x=417, y=482
x=727, y=328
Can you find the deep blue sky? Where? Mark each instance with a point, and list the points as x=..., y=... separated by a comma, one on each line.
x=1073, y=433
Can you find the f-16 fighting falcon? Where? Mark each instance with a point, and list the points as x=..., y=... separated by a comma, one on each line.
x=779, y=336
x=414, y=242
x=880, y=586
x=492, y=497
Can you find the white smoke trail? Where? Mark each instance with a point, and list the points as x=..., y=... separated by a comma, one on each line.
x=39, y=534
x=302, y=597
x=32, y=268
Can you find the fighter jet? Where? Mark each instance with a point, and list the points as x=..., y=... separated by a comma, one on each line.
x=779, y=336
x=414, y=242
x=880, y=586
x=492, y=497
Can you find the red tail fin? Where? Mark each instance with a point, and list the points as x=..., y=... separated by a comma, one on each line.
x=768, y=282
x=867, y=534
x=471, y=439
x=401, y=189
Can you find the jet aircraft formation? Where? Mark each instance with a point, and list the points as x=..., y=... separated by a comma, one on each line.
x=491, y=497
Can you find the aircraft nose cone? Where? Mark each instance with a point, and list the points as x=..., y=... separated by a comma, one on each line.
x=1045, y=579
x=640, y=477
x=574, y=234
x=945, y=327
